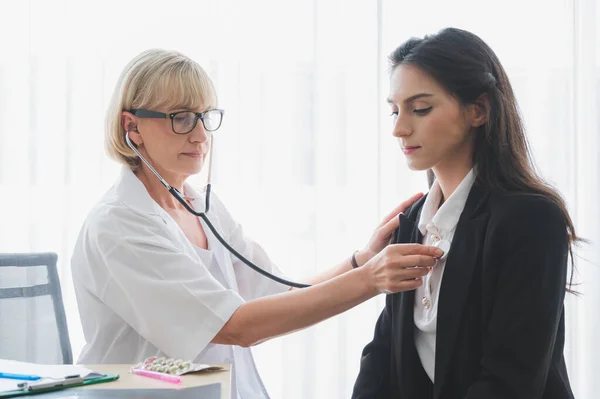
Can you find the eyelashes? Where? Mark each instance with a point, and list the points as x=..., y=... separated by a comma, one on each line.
x=422, y=111
x=419, y=111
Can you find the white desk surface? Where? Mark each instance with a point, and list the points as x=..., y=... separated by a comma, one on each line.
x=131, y=381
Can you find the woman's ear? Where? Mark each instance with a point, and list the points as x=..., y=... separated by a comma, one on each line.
x=480, y=110
x=129, y=123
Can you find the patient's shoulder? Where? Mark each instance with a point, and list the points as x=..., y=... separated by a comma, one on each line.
x=530, y=212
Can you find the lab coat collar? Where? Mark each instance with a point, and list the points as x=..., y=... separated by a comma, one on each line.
x=134, y=194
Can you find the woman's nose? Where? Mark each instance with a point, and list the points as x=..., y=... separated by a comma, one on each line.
x=199, y=133
x=401, y=128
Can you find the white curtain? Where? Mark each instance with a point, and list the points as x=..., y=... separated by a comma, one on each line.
x=305, y=158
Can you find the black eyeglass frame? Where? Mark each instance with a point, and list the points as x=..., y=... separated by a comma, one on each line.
x=144, y=113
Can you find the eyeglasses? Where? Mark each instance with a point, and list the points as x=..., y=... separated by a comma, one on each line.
x=183, y=122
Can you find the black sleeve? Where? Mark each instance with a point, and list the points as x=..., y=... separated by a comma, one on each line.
x=528, y=246
x=374, y=376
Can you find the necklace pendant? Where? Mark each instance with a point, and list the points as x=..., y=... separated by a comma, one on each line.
x=425, y=301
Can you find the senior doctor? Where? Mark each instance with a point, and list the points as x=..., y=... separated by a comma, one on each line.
x=151, y=280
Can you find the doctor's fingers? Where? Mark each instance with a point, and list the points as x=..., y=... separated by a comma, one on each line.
x=404, y=279
x=410, y=261
x=410, y=273
x=413, y=249
x=395, y=273
x=400, y=209
x=402, y=285
x=384, y=233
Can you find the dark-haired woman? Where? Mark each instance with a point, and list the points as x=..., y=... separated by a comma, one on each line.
x=488, y=321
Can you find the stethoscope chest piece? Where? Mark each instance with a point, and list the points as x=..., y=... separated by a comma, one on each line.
x=444, y=245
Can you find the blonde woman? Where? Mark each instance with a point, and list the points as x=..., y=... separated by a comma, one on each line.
x=149, y=278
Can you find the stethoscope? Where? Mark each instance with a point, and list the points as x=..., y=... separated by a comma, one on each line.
x=442, y=244
x=175, y=193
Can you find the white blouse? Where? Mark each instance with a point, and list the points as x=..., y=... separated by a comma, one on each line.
x=435, y=225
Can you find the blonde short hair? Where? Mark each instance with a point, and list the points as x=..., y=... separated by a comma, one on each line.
x=155, y=78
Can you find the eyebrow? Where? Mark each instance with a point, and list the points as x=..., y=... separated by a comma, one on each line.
x=411, y=98
x=181, y=108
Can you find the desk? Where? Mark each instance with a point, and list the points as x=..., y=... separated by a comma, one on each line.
x=132, y=381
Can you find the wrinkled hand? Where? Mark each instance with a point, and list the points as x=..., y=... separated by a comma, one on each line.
x=382, y=235
x=401, y=267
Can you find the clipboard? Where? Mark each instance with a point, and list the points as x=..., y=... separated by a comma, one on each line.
x=89, y=380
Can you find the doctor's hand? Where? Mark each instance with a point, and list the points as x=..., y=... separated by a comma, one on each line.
x=401, y=267
x=382, y=235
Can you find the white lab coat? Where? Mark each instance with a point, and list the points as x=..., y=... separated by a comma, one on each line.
x=143, y=289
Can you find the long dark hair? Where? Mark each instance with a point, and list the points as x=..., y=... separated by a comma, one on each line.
x=467, y=68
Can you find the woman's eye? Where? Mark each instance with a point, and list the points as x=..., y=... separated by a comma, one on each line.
x=394, y=113
x=422, y=111
x=182, y=118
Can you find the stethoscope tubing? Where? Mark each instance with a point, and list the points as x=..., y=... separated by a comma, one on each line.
x=175, y=193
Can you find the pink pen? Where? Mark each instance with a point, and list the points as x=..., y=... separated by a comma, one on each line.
x=175, y=379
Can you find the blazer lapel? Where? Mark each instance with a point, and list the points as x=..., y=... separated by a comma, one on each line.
x=408, y=232
x=456, y=280
x=410, y=381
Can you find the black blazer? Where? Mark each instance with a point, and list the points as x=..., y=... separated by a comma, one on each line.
x=500, y=326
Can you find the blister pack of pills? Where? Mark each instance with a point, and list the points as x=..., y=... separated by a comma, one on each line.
x=173, y=366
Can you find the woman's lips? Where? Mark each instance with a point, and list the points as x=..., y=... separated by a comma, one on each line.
x=409, y=149
x=196, y=155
